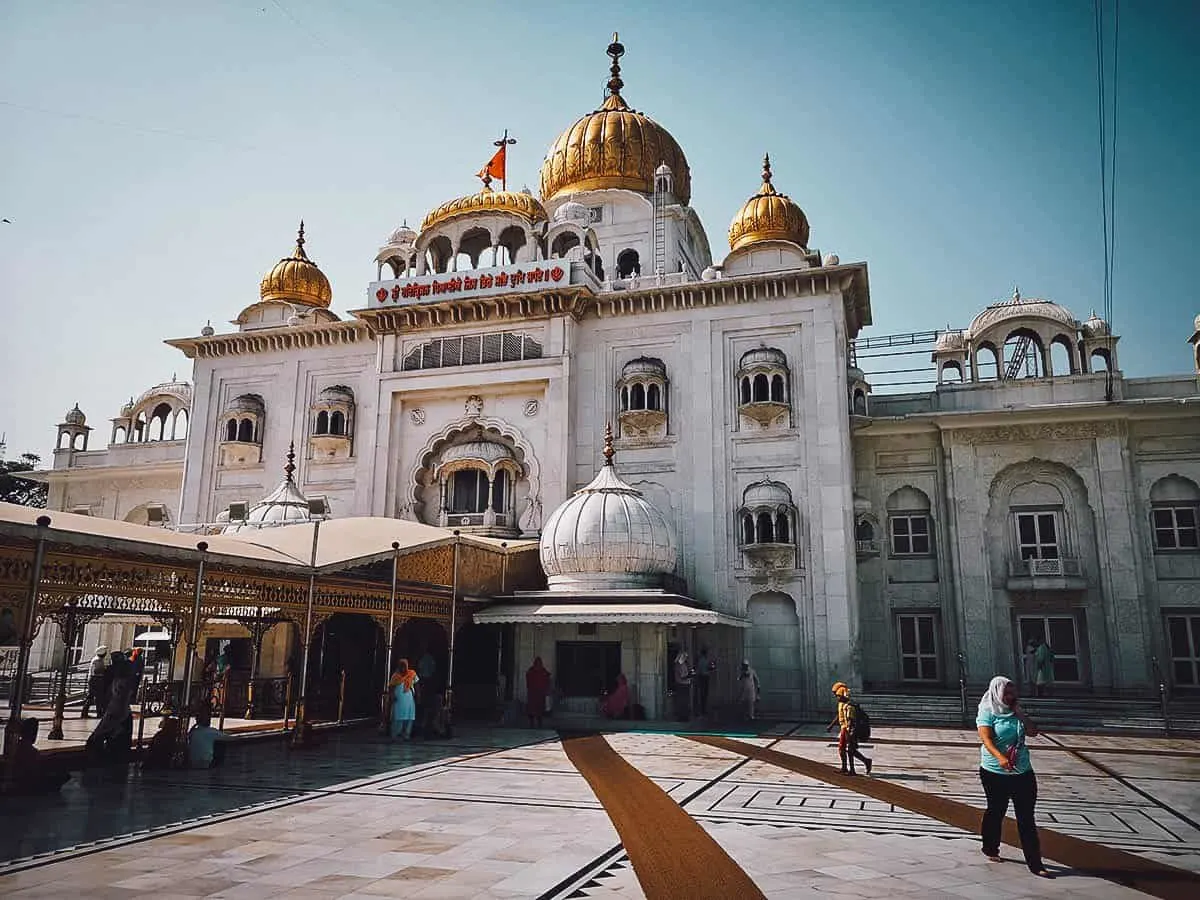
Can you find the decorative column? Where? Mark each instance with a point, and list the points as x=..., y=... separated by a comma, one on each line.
x=70, y=622
x=306, y=637
x=193, y=638
x=391, y=626
x=489, y=514
x=258, y=631
x=449, y=700
x=28, y=629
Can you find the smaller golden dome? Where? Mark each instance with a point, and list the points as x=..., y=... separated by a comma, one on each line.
x=514, y=203
x=768, y=216
x=296, y=279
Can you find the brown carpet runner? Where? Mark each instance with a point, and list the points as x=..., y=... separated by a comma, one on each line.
x=1128, y=869
x=672, y=855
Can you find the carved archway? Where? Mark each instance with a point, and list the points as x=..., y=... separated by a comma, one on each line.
x=530, y=518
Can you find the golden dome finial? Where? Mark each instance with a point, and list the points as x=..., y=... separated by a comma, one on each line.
x=608, y=437
x=296, y=279
x=768, y=216
x=615, y=51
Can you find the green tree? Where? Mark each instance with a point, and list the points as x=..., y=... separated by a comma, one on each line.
x=18, y=490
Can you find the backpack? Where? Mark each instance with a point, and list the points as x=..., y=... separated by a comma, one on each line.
x=862, y=723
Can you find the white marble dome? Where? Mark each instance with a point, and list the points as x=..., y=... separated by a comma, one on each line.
x=607, y=537
x=573, y=212
x=75, y=416
x=950, y=340
x=1095, y=326
x=767, y=493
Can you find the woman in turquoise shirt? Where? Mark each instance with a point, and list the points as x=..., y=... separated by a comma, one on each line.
x=1006, y=772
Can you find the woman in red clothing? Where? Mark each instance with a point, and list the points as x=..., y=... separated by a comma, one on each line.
x=537, y=689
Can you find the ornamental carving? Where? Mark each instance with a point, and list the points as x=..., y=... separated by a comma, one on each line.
x=1016, y=434
x=474, y=406
x=531, y=408
x=417, y=416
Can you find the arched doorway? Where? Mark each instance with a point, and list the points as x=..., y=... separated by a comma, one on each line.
x=352, y=644
x=414, y=639
x=480, y=653
x=773, y=648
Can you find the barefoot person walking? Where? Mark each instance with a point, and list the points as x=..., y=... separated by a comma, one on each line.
x=1006, y=772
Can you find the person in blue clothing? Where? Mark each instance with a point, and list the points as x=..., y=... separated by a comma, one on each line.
x=1006, y=771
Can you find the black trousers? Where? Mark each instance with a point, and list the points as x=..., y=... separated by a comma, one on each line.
x=1022, y=790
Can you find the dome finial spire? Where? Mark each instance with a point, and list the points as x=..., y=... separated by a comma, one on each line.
x=615, y=51
x=300, y=242
x=608, y=444
x=290, y=469
x=766, y=168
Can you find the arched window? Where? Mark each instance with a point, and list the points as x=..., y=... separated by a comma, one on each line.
x=1175, y=514
x=245, y=431
x=777, y=388
x=747, y=528
x=765, y=529
x=624, y=398
x=864, y=531
x=860, y=403
x=628, y=264
x=653, y=398
x=322, y=426
x=762, y=388
x=231, y=430
x=158, y=422
x=781, y=528
x=119, y=435
x=745, y=395
x=637, y=396
x=1100, y=360
x=500, y=491
x=909, y=522
x=139, y=427
x=180, y=429
x=468, y=491
x=337, y=423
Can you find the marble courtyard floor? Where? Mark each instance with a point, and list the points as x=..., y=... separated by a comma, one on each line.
x=537, y=814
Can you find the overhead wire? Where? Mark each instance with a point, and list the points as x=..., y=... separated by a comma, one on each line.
x=1108, y=168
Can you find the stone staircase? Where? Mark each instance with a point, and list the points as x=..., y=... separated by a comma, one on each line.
x=1126, y=715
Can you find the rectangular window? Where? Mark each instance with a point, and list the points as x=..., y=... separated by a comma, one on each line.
x=1061, y=633
x=586, y=668
x=1037, y=535
x=1183, y=636
x=918, y=647
x=910, y=535
x=1175, y=528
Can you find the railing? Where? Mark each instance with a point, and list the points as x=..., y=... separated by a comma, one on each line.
x=1044, y=568
x=866, y=548
x=1163, y=698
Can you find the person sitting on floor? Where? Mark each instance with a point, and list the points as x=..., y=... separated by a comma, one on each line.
x=33, y=774
x=616, y=704
x=204, y=747
x=161, y=752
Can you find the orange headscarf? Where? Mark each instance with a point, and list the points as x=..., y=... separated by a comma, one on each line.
x=403, y=675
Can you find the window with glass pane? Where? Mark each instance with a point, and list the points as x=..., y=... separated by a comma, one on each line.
x=1175, y=528
x=498, y=491
x=918, y=647
x=1183, y=635
x=469, y=491
x=910, y=535
x=1062, y=634
x=1037, y=535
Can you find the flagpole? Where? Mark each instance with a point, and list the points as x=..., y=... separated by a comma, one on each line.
x=504, y=144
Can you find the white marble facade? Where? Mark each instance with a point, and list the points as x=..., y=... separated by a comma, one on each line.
x=797, y=500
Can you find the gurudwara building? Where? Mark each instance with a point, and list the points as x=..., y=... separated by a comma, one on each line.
x=754, y=497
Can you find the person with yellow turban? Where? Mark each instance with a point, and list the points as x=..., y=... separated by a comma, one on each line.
x=847, y=713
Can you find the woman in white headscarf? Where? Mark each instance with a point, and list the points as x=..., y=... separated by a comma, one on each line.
x=1006, y=771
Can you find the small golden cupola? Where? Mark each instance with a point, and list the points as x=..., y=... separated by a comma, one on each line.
x=613, y=147
x=296, y=279
x=768, y=216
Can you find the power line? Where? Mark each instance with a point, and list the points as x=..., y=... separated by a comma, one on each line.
x=1108, y=166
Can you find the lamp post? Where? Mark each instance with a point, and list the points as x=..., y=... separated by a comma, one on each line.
x=453, y=630
x=391, y=632
x=316, y=510
x=27, y=630
x=192, y=639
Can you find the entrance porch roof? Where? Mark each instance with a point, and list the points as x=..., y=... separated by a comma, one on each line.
x=665, y=609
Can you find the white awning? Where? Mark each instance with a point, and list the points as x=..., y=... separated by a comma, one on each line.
x=605, y=613
x=152, y=637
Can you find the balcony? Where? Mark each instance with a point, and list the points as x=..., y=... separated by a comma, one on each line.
x=1045, y=575
x=866, y=549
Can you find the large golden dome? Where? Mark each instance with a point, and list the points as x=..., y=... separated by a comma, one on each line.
x=296, y=279
x=517, y=203
x=614, y=147
x=768, y=216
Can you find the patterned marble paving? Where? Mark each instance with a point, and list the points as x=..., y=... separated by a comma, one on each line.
x=494, y=816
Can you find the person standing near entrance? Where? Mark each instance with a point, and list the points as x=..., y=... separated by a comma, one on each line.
x=748, y=688
x=95, y=692
x=537, y=691
x=683, y=687
x=1044, y=664
x=404, y=700
x=1029, y=663
x=1006, y=772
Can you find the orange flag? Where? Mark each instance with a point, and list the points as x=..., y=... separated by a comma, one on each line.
x=495, y=166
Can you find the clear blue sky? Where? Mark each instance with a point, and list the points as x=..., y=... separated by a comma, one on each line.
x=155, y=157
